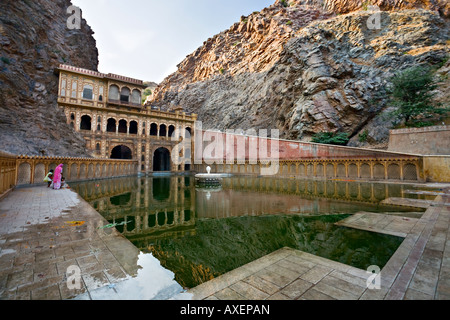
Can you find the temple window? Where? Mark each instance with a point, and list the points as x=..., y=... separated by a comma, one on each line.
x=100, y=93
x=171, y=131
x=154, y=129
x=63, y=87
x=133, y=127
x=123, y=126
x=88, y=92
x=136, y=97
x=111, y=126
x=125, y=95
x=114, y=92
x=74, y=89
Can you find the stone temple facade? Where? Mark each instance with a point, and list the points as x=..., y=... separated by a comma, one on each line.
x=107, y=110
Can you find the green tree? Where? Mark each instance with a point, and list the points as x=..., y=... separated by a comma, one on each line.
x=411, y=94
x=147, y=92
x=339, y=139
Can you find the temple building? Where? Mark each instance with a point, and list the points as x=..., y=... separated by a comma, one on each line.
x=107, y=109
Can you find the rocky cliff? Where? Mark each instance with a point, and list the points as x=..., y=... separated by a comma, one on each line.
x=305, y=68
x=34, y=39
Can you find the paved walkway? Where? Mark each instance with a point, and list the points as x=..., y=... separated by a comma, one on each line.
x=419, y=269
x=44, y=232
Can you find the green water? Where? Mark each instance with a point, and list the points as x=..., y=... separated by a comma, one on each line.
x=199, y=234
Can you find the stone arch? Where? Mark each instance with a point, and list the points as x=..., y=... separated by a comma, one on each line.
x=105, y=170
x=133, y=127
x=378, y=171
x=365, y=171
x=301, y=169
x=39, y=172
x=292, y=169
x=154, y=129
x=310, y=170
x=341, y=170
x=86, y=123
x=123, y=126
x=394, y=171
x=111, y=125
x=171, y=130
x=161, y=160
x=125, y=94
x=122, y=152
x=410, y=172
x=90, y=174
x=188, y=133
x=73, y=172
x=330, y=170
x=114, y=92
x=319, y=170
x=24, y=174
x=98, y=170
x=83, y=171
x=136, y=97
x=352, y=170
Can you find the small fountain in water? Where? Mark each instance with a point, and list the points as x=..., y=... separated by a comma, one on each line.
x=208, y=179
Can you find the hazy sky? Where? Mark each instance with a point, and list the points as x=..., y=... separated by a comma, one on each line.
x=146, y=39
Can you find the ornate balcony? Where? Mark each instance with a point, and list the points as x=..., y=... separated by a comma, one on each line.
x=125, y=104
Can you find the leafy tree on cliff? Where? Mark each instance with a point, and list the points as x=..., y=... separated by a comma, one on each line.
x=411, y=94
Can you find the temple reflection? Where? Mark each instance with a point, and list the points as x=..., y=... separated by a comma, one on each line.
x=200, y=233
x=151, y=208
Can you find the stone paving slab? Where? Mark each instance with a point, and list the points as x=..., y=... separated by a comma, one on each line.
x=381, y=223
x=287, y=274
x=408, y=202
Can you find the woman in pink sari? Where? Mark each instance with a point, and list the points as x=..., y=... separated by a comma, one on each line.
x=57, y=177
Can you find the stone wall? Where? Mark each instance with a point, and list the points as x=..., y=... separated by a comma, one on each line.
x=437, y=168
x=216, y=146
x=424, y=141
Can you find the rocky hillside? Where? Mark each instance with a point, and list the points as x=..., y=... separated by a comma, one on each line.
x=304, y=68
x=34, y=39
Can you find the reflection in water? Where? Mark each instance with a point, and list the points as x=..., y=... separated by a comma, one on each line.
x=200, y=234
x=159, y=284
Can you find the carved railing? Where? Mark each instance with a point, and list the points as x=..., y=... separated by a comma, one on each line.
x=26, y=170
x=7, y=172
x=403, y=169
x=32, y=170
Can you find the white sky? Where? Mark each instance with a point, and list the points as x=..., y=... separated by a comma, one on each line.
x=146, y=39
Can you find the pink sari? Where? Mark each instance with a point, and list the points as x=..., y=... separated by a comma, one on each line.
x=57, y=177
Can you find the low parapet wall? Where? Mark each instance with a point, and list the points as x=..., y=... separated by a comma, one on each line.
x=25, y=170
x=424, y=141
x=239, y=154
x=215, y=146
